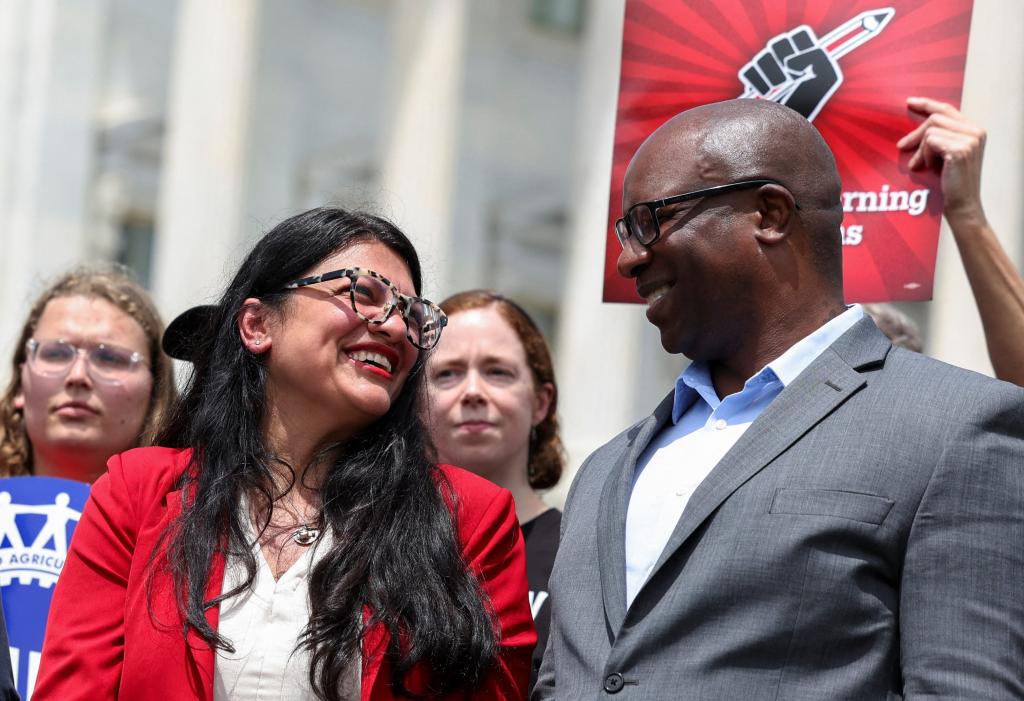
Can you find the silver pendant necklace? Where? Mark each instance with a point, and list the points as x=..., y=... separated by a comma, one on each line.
x=305, y=535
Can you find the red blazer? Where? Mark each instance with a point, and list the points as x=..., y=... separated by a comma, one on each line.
x=102, y=643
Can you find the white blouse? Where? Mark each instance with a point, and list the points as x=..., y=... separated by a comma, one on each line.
x=264, y=625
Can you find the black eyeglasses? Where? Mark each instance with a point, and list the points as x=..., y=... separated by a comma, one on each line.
x=641, y=221
x=373, y=297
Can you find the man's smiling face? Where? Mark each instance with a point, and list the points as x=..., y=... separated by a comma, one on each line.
x=693, y=276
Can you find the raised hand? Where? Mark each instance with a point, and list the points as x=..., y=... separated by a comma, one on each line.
x=951, y=145
x=948, y=143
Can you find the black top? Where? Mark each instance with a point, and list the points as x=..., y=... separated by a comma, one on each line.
x=541, y=537
x=7, y=689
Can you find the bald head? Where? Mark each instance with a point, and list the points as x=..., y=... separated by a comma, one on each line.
x=743, y=140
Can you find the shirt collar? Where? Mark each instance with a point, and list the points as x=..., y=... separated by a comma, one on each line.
x=695, y=380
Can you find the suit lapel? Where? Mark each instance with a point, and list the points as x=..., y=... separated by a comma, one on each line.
x=828, y=382
x=611, y=532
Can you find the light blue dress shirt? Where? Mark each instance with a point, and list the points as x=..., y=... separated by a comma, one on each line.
x=703, y=430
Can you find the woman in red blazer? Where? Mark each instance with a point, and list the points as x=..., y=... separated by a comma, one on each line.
x=296, y=540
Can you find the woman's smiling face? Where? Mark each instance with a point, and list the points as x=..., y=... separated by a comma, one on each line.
x=327, y=365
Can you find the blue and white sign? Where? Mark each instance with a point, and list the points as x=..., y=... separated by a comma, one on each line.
x=37, y=517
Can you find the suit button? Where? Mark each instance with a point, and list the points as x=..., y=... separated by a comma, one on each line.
x=613, y=683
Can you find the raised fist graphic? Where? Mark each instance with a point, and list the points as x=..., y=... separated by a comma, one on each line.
x=800, y=70
x=793, y=70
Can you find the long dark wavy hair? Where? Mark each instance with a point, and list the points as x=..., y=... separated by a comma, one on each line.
x=395, y=541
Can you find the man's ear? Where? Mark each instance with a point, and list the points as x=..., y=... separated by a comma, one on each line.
x=253, y=327
x=775, y=208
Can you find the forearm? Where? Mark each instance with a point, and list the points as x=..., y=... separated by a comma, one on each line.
x=998, y=291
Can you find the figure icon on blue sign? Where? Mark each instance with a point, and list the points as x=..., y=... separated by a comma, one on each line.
x=57, y=515
x=8, y=526
x=56, y=528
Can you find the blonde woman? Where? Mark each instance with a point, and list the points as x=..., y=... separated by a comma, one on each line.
x=88, y=378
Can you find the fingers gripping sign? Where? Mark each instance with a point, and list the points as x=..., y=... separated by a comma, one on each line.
x=948, y=143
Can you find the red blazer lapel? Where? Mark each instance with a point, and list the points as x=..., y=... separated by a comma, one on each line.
x=375, y=642
x=376, y=682
x=200, y=655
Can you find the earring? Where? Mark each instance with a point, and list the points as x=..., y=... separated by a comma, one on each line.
x=257, y=341
x=533, y=435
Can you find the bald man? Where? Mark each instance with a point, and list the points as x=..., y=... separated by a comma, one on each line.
x=811, y=514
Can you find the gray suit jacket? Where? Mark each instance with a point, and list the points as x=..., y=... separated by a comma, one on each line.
x=863, y=540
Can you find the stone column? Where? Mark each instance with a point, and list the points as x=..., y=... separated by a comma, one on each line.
x=277, y=104
x=994, y=98
x=50, y=74
x=421, y=141
x=610, y=363
x=203, y=180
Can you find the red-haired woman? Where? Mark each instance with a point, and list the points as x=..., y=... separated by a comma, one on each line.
x=492, y=410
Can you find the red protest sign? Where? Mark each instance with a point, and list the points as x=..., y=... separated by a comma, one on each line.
x=848, y=67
